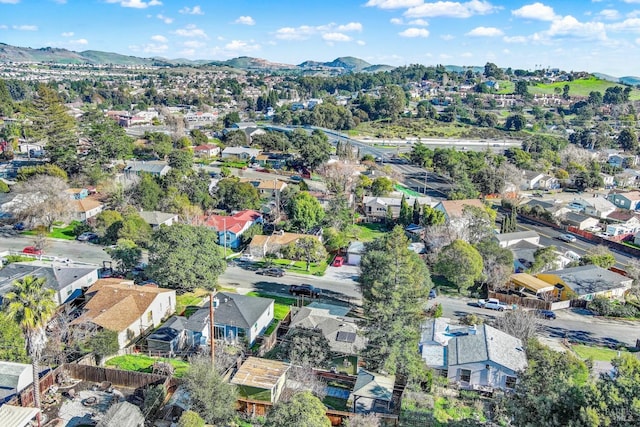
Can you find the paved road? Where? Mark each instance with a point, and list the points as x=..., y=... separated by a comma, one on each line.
x=71, y=249
x=573, y=324
x=549, y=236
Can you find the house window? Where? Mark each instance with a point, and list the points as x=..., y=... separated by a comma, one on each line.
x=150, y=316
x=255, y=326
x=241, y=333
x=218, y=332
x=465, y=375
x=510, y=382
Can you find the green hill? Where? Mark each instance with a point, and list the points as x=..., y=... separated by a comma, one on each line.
x=349, y=63
x=579, y=87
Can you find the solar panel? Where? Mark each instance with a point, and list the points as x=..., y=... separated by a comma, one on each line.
x=346, y=337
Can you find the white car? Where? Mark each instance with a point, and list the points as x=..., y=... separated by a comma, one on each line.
x=567, y=238
x=246, y=257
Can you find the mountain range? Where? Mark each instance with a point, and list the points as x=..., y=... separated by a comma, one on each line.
x=344, y=64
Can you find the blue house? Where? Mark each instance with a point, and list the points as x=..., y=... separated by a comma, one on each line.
x=629, y=200
x=231, y=227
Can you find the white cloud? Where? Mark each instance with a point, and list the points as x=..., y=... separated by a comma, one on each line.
x=447, y=37
x=336, y=37
x=393, y=4
x=466, y=55
x=80, y=42
x=396, y=21
x=361, y=42
x=242, y=46
x=351, y=26
x=631, y=1
x=445, y=56
x=609, y=14
x=414, y=32
x=191, y=30
x=164, y=19
x=485, y=32
x=3, y=27
x=158, y=38
x=419, y=21
x=150, y=48
x=451, y=9
x=10, y=1
x=631, y=24
x=245, y=20
x=195, y=10
x=569, y=26
x=303, y=32
x=537, y=11
x=136, y=4
x=25, y=27
x=67, y=34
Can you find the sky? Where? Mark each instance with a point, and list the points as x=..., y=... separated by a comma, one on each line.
x=579, y=35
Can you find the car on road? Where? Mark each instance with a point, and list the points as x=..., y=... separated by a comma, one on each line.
x=338, y=261
x=305, y=290
x=296, y=178
x=87, y=237
x=569, y=238
x=492, y=304
x=433, y=294
x=546, y=314
x=19, y=226
x=274, y=272
x=246, y=258
x=32, y=250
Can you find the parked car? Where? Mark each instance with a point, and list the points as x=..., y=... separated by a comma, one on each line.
x=32, y=250
x=306, y=290
x=87, y=236
x=246, y=258
x=338, y=261
x=433, y=294
x=546, y=314
x=567, y=238
x=274, y=272
x=19, y=226
x=492, y=304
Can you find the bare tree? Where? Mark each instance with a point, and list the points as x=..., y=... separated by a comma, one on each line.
x=41, y=200
x=303, y=378
x=574, y=154
x=519, y=323
x=363, y=420
x=338, y=176
x=495, y=274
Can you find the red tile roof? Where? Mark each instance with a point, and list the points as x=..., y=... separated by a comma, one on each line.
x=234, y=223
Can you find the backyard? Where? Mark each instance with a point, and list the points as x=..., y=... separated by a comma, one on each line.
x=59, y=231
x=368, y=232
x=142, y=363
x=188, y=299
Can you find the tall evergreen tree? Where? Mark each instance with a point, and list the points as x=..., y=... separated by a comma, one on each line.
x=416, y=212
x=406, y=215
x=56, y=128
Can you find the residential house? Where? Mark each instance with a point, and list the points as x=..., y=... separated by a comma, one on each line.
x=341, y=332
x=372, y=392
x=485, y=358
x=623, y=161
x=240, y=153
x=598, y=207
x=626, y=179
x=376, y=207
x=156, y=218
x=261, y=379
x=453, y=209
x=630, y=226
x=85, y=209
x=231, y=227
x=274, y=160
x=271, y=189
x=580, y=221
x=523, y=255
x=539, y=181
x=126, y=308
x=528, y=285
x=509, y=239
x=171, y=338
x=608, y=180
x=66, y=279
x=244, y=125
x=206, y=150
x=629, y=200
x=14, y=377
x=355, y=252
x=153, y=167
x=262, y=245
x=587, y=282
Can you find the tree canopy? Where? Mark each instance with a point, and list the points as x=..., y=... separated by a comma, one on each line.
x=460, y=263
x=304, y=410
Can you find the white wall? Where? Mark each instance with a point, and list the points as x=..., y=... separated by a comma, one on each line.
x=84, y=281
x=480, y=375
x=262, y=323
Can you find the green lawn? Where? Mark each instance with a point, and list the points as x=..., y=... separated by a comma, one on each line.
x=369, y=232
x=300, y=267
x=335, y=403
x=190, y=299
x=338, y=362
x=596, y=353
x=141, y=363
x=407, y=191
x=281, y=306
x=58, y=232
x=446, y=409
x=580, y=87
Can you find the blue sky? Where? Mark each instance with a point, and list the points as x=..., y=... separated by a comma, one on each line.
x=591, y=35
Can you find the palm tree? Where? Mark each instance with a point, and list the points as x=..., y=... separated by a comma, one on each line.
x=32, y=305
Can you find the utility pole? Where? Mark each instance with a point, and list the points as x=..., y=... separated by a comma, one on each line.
x=211, y=328
x=426, y=174
x=224, y=226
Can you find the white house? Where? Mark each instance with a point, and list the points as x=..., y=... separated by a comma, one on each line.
x=239, y=153
x=509, y=239
x=14, y=377
x=66, y=279
x=156, y=218
x=355, y=252
x=376, y=207
x=85, y=209
x=126, y=308
x=598, y=207
x=630, y=226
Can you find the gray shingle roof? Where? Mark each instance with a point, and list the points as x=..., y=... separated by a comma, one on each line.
x=505, y=237
x=373, y=386
x=487, y=345
x=153, y=166
x=170, y=330
x=57, y=276
x=331, y=326
x=10, y=373
x=156, y=217
x=233, y=309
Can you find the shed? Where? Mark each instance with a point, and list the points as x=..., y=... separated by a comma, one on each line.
x=372, y=392
x=17, y=416
x=14, y=377
x=261, y=379
x=355, y=252
x=530, y=284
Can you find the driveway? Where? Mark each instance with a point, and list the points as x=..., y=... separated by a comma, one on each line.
x=347, y=274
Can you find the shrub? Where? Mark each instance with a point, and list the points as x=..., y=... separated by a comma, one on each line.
x=190, y=419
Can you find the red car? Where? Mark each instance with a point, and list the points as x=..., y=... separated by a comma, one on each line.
x=32, y=250
x=338, y=261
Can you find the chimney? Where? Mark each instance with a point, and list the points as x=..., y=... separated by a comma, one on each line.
x=473, y=330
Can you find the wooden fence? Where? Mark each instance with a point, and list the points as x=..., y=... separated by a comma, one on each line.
x=25, y=397
x=116, y=377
